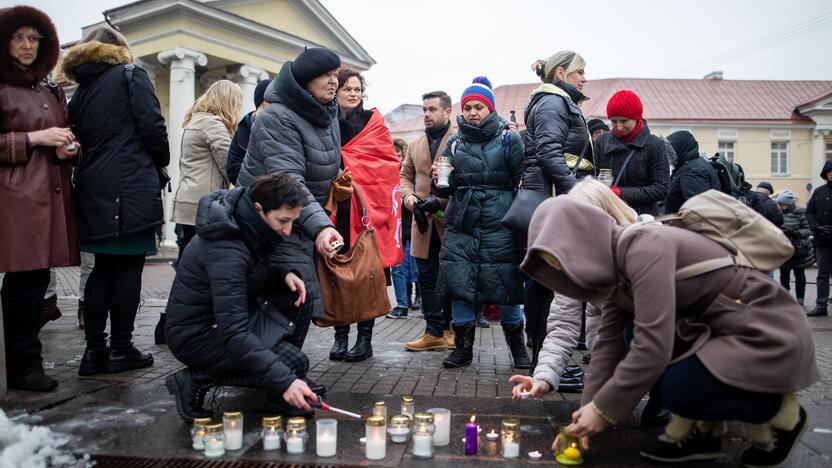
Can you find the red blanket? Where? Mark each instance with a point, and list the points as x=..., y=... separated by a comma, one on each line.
x=374, y=165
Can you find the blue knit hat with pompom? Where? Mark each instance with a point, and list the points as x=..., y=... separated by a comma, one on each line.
x=480, y=90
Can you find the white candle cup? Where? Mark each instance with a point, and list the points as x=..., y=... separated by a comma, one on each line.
x=326, y=437
x=294, y=445
x=272, y=432
x=399, y=428
x=198, y=432
x=214, y=441
x=423, y=431
x=422, y=446
x=442, y=420
x=443, y=174
x=525, y=395
x=408, y=406
x=232, y=423
x=271, y=442
x=511, y=450
x=492, y=436
x=296, y=436
x=535, y=455
x=376, y=448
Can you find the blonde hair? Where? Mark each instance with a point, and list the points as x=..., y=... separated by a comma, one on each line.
x=223, y=99
x=568, y=60
x=598, y=194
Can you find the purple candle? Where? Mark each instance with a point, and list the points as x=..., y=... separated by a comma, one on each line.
x=471, y=437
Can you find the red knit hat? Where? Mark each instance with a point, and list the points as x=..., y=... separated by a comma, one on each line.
x=625, y=103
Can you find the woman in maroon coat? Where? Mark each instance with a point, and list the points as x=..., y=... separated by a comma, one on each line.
x=37, y=224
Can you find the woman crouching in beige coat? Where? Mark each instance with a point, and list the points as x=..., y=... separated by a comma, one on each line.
x=728, y=345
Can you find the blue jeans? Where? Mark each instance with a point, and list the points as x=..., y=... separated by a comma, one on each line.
x=399, y=275
x=824, y=256
x=463, y=312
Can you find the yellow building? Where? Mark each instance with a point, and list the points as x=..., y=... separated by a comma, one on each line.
x=186, y=45
x=777, y=131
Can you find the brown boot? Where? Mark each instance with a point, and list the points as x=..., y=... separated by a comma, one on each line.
x=81, y=322
x=450, y=339
x=426, y=342
x=50, y=310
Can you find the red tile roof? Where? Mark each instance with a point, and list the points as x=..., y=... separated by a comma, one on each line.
x=677, y=100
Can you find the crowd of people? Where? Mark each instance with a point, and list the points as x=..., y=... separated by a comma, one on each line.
x=727, y=344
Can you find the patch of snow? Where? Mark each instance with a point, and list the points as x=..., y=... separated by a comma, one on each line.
x=27, y=446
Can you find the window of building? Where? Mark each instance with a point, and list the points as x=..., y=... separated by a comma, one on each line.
x=779, y=158
x=727, y=149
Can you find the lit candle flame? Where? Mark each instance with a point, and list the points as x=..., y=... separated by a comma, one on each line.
x=574, y=445
x=473, y=418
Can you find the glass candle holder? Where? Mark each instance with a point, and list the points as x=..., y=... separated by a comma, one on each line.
x=380, y=409
x=423, y=430
x=442, y=421
x=399, y=428
x=569, y=450
x=198, y=432
x=272, y=432
x=408, y=406
x=326, y=437
x=214, y=440
x=376, y=448
x=232, y=423
x=296, y=436
x=510, y=437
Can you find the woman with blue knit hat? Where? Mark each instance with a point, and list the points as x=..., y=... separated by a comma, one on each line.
x=796, y=228
x=478, y=263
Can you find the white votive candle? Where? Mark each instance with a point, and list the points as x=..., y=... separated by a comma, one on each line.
x=422, y=446
x=376, y=433
x=271, y=442
x=442, y=420
x=492, y=436
x=214, y=448
x=511, y=450
x=232, y=423
x=399, y=436
x=326, y=437
x=535, y=455
x=294, y=445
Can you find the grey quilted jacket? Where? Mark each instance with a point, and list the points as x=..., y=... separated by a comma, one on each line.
x=296, y=135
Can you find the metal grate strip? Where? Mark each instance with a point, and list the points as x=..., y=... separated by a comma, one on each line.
x=115, y=461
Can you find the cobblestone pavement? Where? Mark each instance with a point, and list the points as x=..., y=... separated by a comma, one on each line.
x=389, y=373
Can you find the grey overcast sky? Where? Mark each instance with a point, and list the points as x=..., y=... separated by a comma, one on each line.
x=441, y=44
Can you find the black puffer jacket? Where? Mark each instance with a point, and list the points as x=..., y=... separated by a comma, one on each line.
x=222, y=278
x=798, y=231
x=296, y=135
x=479, y=259
x=555, y=126
x=123, y=138
x=693, y=174
x=765, y=206
x=239, y=145
x=647, y=176
x=819, y=208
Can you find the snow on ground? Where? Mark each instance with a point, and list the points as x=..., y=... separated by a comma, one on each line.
x=24, y=446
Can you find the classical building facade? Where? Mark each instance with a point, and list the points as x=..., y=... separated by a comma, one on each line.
x=778, y=131
x=186, y=45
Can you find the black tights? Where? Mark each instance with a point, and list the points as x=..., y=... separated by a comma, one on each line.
x=22, y=296
x=114, y=288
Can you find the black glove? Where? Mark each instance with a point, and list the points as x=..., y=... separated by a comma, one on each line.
x=420, y=217
x=429, y=205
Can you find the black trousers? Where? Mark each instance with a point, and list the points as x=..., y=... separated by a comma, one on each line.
x=22, y=296
x=184, y=234
x=437, y=315
x=538, y=300
x=113, y=289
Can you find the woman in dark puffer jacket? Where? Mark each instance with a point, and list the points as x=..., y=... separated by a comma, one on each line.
x=556, y=133
x=117, y=117
x=796, y=228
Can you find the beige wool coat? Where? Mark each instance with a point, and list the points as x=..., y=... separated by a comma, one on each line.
x=415, y=180
x=202, y=164
x=747, y=330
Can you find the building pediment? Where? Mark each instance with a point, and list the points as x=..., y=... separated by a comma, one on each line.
x=146, y=18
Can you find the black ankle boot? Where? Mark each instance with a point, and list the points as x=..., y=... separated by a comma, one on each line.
x=189, y=389
x=463, y=354
x=514, y=339
x=159, y=333
x=339, y=346
x=363, y=347
x=481, y=320
x=129, y=358
x=654, y=413
x=94, y=360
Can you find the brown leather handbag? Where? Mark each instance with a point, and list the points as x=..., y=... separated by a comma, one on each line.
x=353, y=285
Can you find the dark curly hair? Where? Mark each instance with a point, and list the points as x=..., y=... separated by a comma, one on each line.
x=345, y=74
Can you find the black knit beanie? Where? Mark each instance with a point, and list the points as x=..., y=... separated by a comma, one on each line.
x=312, y=63
x=260, y=92
x=596, y=124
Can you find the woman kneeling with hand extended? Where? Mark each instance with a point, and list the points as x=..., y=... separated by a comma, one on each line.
x=727, y=345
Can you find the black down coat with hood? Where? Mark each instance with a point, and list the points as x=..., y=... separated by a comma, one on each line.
x=693, y=174
x=819, y=208
x=124, y=141
x=224, y=277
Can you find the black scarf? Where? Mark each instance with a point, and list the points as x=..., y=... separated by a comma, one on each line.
x=435, y=135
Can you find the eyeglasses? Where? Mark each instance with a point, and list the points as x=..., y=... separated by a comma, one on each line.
x=18, y=38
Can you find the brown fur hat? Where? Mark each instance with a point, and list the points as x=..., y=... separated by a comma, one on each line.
x=94, y=51
x=12, y=72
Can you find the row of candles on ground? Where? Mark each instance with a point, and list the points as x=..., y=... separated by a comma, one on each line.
x=429, y=429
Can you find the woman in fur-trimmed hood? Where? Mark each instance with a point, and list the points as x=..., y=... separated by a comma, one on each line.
x=116, y=116
x=37, y=223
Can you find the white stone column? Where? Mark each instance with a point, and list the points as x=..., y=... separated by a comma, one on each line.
x=152, y=70
x=248, y=77
x=181, y=95
x=818, y=156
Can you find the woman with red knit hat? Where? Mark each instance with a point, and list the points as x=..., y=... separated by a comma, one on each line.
x=638, y=159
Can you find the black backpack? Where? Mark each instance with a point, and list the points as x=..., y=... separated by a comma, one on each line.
x=731, y=178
